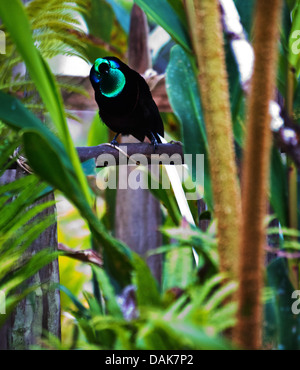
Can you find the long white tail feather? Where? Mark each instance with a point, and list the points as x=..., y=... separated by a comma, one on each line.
x=180, y=196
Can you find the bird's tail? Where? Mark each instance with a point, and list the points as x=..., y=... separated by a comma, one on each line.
x=180, y=196
x=159, y=138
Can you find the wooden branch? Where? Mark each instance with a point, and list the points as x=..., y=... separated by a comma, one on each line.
x=170, y=153
x=86, y=255
x=161, y=155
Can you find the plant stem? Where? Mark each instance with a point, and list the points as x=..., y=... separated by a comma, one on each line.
x=206, y=29
x=255, y=179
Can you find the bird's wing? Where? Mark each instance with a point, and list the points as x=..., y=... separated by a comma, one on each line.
x=150, y=111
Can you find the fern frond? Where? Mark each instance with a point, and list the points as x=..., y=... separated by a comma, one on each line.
x=76, y=89
x=53, y=20
x=17, y=84
x=61, y=7
x=53, y=52
x=73, y=116
x=35, y=107
x=49, y=41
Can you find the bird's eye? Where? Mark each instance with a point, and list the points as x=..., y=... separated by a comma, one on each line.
x=103, y=68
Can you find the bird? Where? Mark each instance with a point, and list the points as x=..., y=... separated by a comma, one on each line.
x=125, y=102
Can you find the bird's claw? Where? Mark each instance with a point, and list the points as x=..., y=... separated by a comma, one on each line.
x=155, y=143
x=114, y=142
x=153, y=140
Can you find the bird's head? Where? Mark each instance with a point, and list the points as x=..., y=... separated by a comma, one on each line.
x=107, y=76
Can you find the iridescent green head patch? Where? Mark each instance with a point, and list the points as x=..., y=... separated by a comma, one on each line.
x=111, y=79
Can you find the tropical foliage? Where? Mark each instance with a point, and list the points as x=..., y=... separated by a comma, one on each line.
x=121, y=305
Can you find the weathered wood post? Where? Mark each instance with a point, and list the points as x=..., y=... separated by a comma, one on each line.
x=138, y=213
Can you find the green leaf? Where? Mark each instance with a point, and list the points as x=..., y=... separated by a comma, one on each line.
x=122, y=9
x=246, y=12
x=197, y=338
x=99, y=10
x=98, y=132
x=279, y=187
x=178, y=268
x=147, y=291
x=164, y=15
x=35, y=263
x=165, y=196
x=51, y=165
x=108, y=293
x=182, y=89
x=83, y=311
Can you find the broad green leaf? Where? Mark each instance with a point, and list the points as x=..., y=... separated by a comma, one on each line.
x=164, y=15
x=182, y=89
x=197, y=338
x=11, y=228
x=35, y=263
x=82, y=311
x=122, y=9
x=165, y=196
x=246, y=12
x=220, y=296
x=118, y=326
x=98, y=132
x=147, y=291
x=108, y=293
x=178, y=268
x=279, y=187
x=50, y=164
x=99, y=19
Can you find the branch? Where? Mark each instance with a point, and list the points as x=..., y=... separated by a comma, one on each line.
x=86, y=255
x=123, y=154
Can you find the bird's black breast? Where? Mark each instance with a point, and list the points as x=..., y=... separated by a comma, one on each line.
x=133, y=111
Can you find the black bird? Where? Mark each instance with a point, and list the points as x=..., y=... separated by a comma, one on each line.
x=125, y=102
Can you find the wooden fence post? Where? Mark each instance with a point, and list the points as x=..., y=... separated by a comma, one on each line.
x=39, y=312
x=138, y=213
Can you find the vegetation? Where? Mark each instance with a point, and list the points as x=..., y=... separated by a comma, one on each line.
x=122, y=305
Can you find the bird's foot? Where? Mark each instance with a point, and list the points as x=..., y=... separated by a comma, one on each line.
x=114, y=142
x=154, y=141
